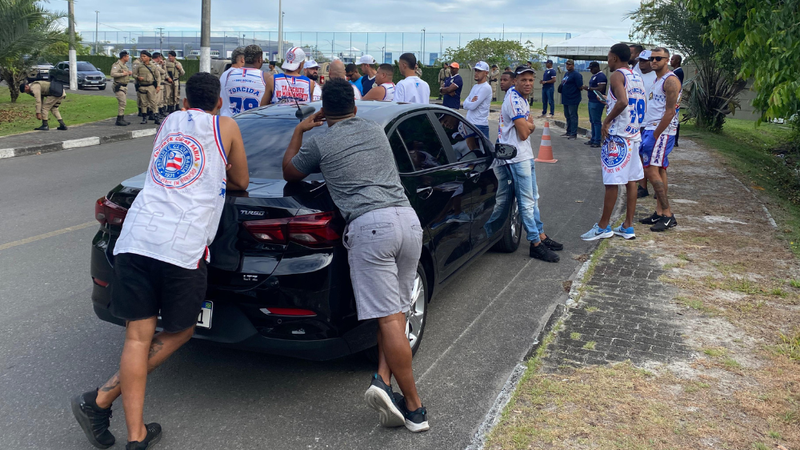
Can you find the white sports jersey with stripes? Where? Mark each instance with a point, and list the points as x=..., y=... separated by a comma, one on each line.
x=657, y=106
x=388, y=94
x=288, y=88
x=317, y=96
x=628, y=123
x=175, y=217
x=242, y=89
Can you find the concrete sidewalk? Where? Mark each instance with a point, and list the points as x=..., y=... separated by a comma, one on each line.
x=85, y=135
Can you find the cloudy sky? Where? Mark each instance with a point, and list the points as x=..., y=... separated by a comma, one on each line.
x=393, y=25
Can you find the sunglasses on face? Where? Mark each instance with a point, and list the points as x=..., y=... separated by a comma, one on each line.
x=657, y=58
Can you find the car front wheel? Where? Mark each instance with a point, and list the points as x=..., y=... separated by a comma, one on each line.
x=512, y=232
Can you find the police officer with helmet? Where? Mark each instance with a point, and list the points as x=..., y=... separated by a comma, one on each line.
x=121, y=76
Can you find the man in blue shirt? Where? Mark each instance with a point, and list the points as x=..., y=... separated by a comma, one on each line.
x=548, y=88
x=570, y=90
x=452, y=88
x=597, y=85
x=351, y=72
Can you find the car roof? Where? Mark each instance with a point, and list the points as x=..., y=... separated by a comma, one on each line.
x=380, y=112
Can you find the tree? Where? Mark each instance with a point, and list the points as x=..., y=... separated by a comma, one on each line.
x=26, y=29
x=495, y=51
x=62, y=48
x=712, y=94
x=765, y=37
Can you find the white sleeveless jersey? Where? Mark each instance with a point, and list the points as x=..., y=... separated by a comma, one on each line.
x=242, y=89
x=317, y=96
x=288, y=88
x=388, y=95
x=628, y=123
x=657, y=106
x=175, y=217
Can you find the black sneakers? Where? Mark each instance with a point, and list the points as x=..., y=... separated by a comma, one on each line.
x=544, y=253
x=416, y=421
x=650, y=220
x=152, y=438
x=379, y=396
x=642, y=192
x=552, y=245
x=93, y=420
x=664, y=223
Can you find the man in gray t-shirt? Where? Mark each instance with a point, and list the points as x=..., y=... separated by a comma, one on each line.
x=383, y=238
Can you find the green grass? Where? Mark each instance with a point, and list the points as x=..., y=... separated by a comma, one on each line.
x=20, y=117
x=794, y=283
x=575, y=336
x=789, y=345
x=589, y=345
x=715, y=352
x=751, y=151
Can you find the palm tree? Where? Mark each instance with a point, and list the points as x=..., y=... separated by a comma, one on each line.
x=26, y=29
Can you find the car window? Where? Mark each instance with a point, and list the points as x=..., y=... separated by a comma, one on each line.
x=422, y=142
x=265, y=141
x=400, y=153
x=86, y=67
x=60, y=66
x=467, y=144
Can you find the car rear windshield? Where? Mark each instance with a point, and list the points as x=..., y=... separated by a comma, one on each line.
x=265, y=141
x=86, y=67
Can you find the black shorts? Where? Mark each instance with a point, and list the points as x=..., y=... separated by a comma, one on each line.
x=146, y=286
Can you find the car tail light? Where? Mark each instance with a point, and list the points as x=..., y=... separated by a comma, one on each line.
x=313, y=230
x=107, y=212
x=296, y=312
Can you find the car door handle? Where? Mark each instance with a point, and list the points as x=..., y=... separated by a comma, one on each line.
x=424, y=192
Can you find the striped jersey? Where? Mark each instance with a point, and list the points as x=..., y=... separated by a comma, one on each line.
x=628, y=123
x=388, y=94
x=657, y=106
x=288, y=88
x=174, y=218
x=242, y=89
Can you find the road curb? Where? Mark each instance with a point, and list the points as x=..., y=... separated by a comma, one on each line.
x=581, y=131
x=74, y=143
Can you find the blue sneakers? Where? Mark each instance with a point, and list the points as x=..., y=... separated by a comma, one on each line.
x=380, y=397
x=626, y=233
x=597, y=233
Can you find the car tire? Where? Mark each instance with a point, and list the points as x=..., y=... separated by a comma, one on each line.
x=512, y=234
x=416, y=318
x=102, y=88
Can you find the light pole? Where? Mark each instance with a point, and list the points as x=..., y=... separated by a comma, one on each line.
x=205, y=37
x=280, y=30
x=423, y=47
x=96, y=29
x=383, y=55
x=73, y=58
x=441, y=44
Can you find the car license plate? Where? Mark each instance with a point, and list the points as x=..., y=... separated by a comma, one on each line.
x=204, y=319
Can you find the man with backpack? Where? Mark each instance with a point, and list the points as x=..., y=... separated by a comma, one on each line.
x=48, y=98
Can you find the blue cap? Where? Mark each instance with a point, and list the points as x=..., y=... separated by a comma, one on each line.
x=549, y=61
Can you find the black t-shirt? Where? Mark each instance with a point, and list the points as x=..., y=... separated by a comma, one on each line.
x=679, y=73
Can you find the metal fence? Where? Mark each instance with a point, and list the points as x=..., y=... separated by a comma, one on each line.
x=384, y=47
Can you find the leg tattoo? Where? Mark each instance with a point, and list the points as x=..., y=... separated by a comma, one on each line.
x=660, y=189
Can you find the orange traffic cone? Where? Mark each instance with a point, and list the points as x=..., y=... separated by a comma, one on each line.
x=546, y=147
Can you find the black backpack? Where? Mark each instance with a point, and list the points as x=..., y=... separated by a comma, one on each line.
x=56, y=89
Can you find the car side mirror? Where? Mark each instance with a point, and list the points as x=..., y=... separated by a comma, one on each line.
x=504, y=151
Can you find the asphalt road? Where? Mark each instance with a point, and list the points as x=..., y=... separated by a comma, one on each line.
x=53, y=347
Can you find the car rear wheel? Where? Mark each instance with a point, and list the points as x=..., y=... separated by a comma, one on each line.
x=416, y=317
x=512, y=233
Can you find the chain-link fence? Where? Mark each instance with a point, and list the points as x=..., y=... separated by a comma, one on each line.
x=384, y=47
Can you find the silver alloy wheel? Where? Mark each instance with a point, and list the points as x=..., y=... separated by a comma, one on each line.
x=516, y=225
x=415, y=317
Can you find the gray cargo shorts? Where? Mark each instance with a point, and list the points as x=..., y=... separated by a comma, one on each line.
x=383, y=249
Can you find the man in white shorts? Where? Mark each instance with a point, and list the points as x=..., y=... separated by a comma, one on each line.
x=382, y=89
x=411, y=89
x=621, y=139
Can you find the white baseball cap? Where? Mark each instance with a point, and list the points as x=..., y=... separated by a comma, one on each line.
x=310, y=64
x=645, y=55
x=366, y=59
x=481, y=65
x=294, y=57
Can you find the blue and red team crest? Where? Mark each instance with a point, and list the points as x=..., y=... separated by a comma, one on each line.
x=615, y=153
x=177, y=162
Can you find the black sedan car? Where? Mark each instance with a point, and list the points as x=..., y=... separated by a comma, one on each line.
x=278, y=281
x=88, y=75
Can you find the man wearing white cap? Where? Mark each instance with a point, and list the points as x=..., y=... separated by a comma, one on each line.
x=311, y=69
x=367, y=63
x=648, y=75
x=291, y=85
x=479, y=98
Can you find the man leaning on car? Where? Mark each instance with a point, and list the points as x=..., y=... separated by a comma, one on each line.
x=383, y=237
